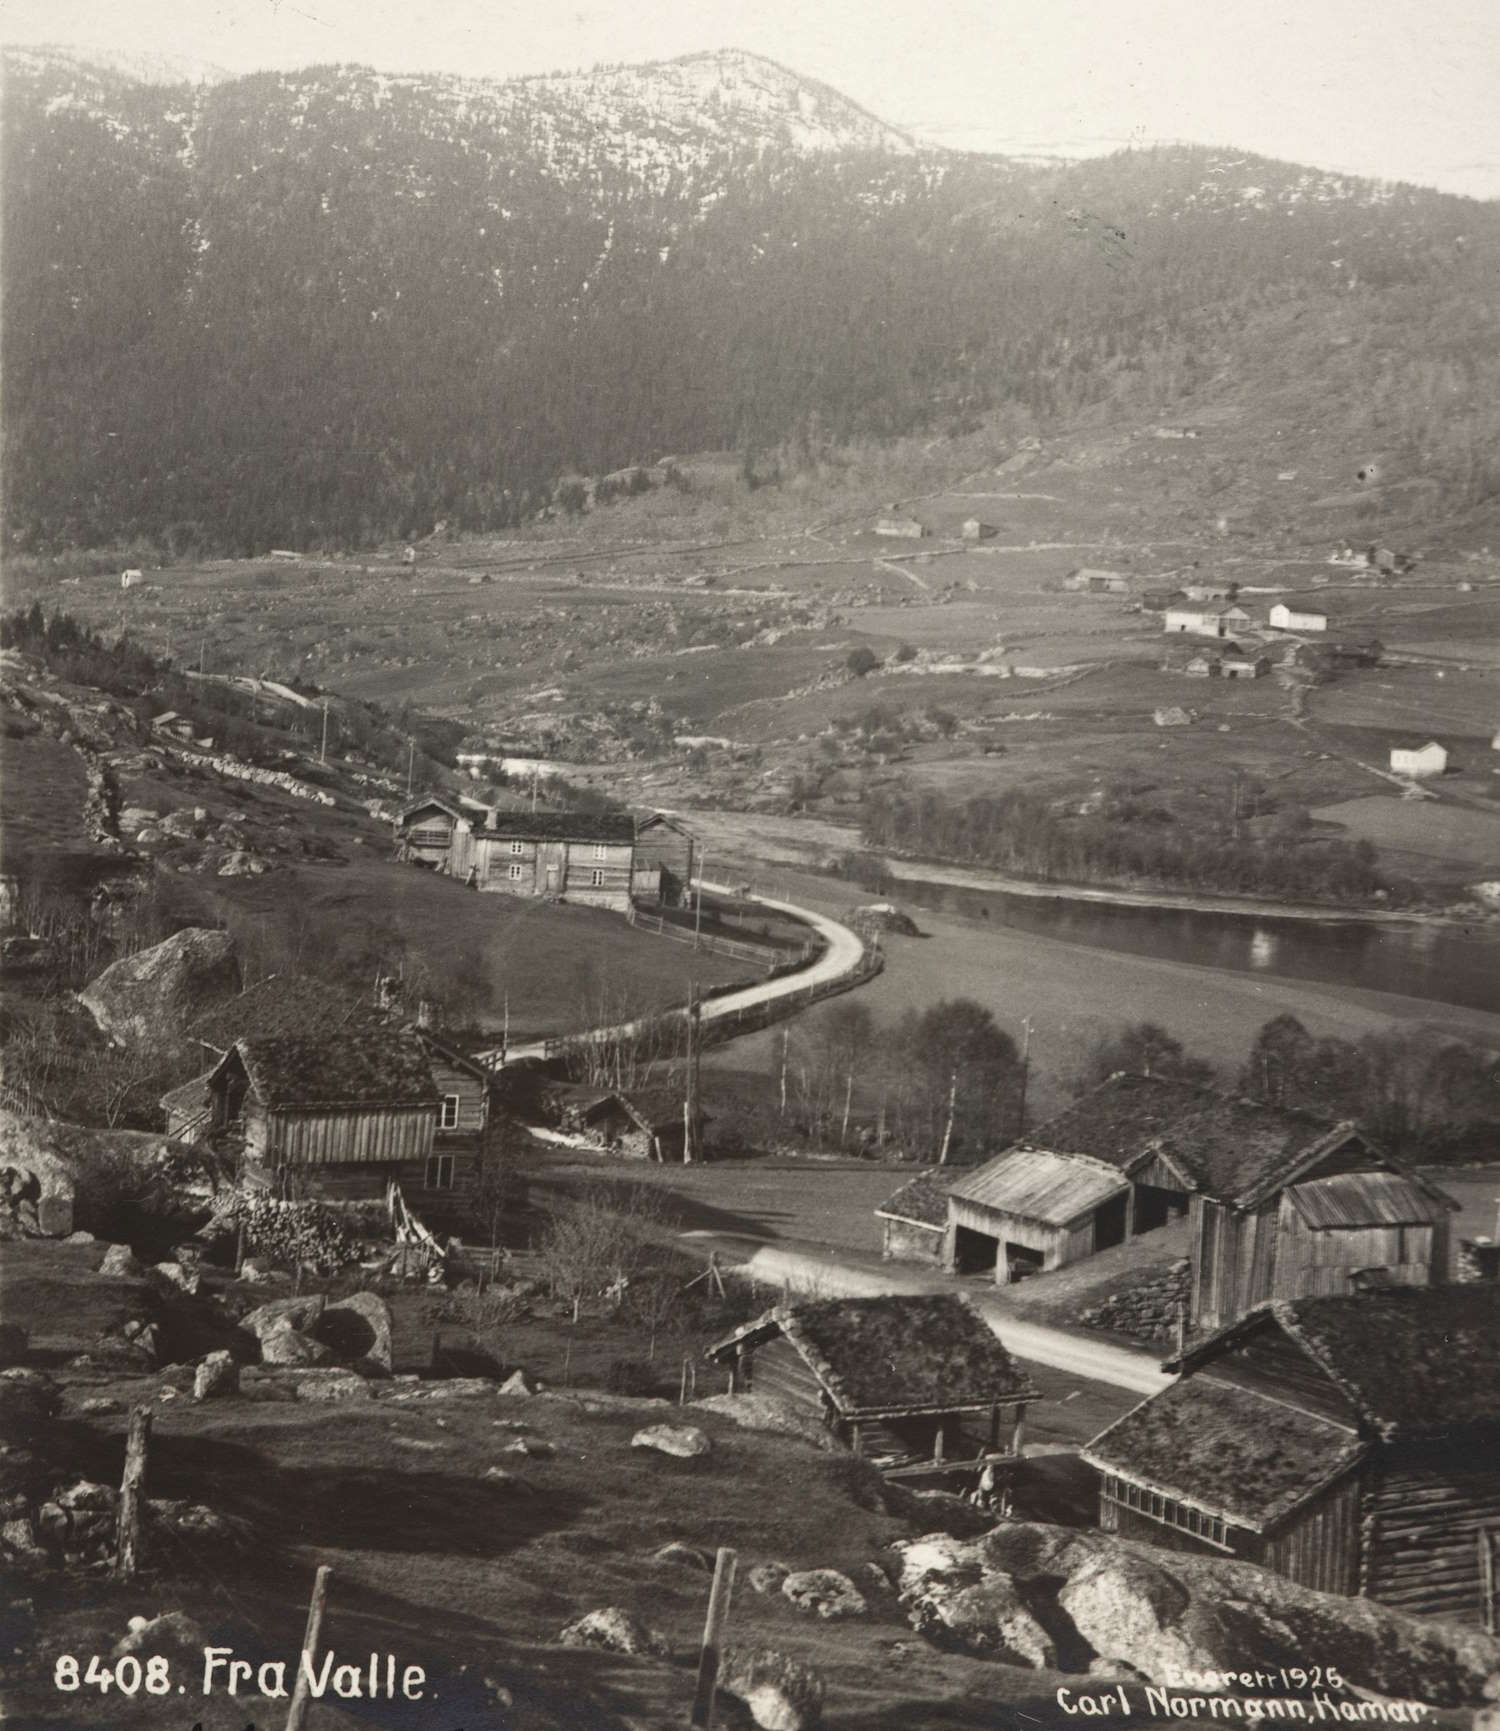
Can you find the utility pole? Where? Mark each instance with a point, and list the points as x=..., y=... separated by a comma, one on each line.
x=785, y=1042
x=690, y=1097
x=698, y=902
x=535, y=777
x=505, y=1032
x=411, y=758
x=323, y=749
x=1025, y=1069
x=200, y=657
x=942, y=1159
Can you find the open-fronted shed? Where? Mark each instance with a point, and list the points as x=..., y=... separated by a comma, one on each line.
x=1351, y=1443
x=896, y=1378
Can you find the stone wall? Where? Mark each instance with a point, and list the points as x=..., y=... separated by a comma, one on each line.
x=1149, y=1310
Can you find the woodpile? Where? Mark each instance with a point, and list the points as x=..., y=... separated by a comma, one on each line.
x=289, y=1232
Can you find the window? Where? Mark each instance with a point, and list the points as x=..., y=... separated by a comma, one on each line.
x=517, y=846
x=598, y=880
x=448, y=1117
x=439, y=1172
x=515, y=872
x=1212, y=1529
x=599, y=850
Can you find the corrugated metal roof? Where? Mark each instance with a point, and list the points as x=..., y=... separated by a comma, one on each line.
x=1053, y=1188
x=1364, y=1199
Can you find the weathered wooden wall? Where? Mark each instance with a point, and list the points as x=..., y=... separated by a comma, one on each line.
x=1423, y=1510
x=1321, y=1547
x=323, y=1138
x=905, y=1241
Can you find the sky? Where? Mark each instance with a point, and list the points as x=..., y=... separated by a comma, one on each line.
x=1395, y=89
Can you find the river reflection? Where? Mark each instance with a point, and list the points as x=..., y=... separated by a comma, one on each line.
x=1449, y=964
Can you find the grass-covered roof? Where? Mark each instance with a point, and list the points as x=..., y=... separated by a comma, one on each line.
x=921, y=1202
x=376, y=1068
x=907, y=1353
x=1226, y=1450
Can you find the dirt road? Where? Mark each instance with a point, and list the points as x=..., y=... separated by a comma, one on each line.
x=842, y=955
x=805, y=1269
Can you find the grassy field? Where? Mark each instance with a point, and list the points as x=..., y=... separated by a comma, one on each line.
x=1439, y=835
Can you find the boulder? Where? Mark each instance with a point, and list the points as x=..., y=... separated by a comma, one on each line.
x=168, y=1631
x=825, y=1592
x=516, y=1385
x=133, y=816
x=615, y=1630
x=764, y=1412
x=37, y=1182
x=767, y=1577
x=499, y=1476
x=287, y=1346
x=534, y=1448
x=330, y=1385
x=781, y=1694
x=357, y=1330
x=216, y=1377
x=162, y=989
x=100, y=1406
x=120, y=1261
x=28, y=1400
x=299, y=1313
x=88, y=1495
x=685, y=1441
x=687, y=1556
x=175, y=1275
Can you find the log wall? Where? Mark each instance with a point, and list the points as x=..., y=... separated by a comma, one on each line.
x=1420, y=1529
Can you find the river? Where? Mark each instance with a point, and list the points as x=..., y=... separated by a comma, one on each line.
x=1447, y=963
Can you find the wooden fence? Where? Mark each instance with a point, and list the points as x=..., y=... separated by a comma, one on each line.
x=769, y=956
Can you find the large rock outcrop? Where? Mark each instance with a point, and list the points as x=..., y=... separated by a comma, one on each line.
x=162, y=989
x=1026, y=1589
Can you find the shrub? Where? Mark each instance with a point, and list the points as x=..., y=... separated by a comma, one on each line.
x=862, y=660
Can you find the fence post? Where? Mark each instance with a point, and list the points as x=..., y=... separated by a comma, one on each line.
x=713, y=1637
x=297, y=1712
x=137, y=1442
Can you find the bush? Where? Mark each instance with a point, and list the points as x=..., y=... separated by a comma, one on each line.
x=862, y=660
x=905, y=652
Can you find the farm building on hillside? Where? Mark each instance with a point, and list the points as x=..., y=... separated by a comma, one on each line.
x=643, y=1124
x=1079, y=1183
x=1210, y=590
x=129, y=579
x=1283, y=1204
x=1242, y=666
x=1280, y=1204
x=175, y=726
x=975, y=529
x=1093, y=582
x=665, y=861
x=573, y=856
x=1351, y=1444
x=1285, y=616
x=340, y=1116
x=909, y=1382
x=914, y=1219
x=900, y=527
x=1419, y=760
x=1203, y=667
x=1196, y=622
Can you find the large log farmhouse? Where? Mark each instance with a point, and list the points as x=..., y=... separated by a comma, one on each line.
x=1351, y=1444
x=573, y=856
x=1279, y=1203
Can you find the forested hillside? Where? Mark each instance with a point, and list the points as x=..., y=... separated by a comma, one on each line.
x=328, y=307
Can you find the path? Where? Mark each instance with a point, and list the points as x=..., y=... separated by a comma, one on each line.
x=810, y=1270
x=842, y=956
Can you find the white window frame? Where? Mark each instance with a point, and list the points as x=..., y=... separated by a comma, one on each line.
x=448, y=1112
x=439, y=1173
x=518, y=847
x=598, y=879
x=601, y=850
x=516, y=872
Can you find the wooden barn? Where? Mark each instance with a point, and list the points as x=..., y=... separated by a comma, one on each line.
x=1286, y=1205
x=914, y=1220
x=665, y=861
x=439, y=835
x=338, y=1117
x=1351, y=1444
x=461, y=1138
x=913, y=1383
x=1082, y=1182
x=644, y=1124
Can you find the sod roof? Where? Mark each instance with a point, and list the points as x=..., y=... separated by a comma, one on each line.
x=922, y=1202
x=885, y=1356
x=604, y=826
x=379, y=1068
x=283, y=1004
x=1242, y=1150
x=1414, y=1361
x=1119, y=1119
x=1226, y=1450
